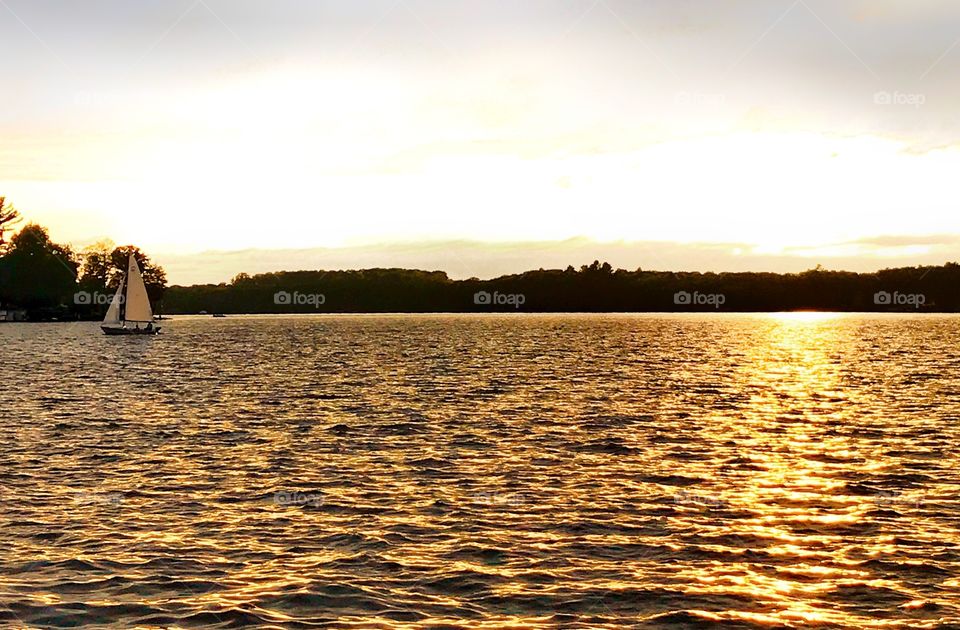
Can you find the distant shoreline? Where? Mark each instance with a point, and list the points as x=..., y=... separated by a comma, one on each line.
x=595, y=288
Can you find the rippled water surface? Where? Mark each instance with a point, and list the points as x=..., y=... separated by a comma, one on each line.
x=483, y=471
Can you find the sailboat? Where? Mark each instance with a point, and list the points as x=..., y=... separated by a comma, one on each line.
x=129, y=312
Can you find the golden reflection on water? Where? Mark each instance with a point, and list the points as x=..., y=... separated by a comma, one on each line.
x=797, y=373
x=784, y=470
x=806, y=317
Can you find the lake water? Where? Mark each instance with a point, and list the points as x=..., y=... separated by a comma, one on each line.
x=483, y=471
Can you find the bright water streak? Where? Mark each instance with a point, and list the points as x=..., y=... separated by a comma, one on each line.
x=483, y=471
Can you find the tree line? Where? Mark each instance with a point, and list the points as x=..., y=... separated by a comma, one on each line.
x=591, y=288
x=47, y=280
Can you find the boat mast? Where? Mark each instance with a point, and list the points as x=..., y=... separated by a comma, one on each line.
x=123, y=298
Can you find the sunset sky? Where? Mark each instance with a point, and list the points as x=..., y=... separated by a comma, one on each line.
x=487, y=137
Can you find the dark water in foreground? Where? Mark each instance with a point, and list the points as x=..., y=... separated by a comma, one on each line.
x=483, y=471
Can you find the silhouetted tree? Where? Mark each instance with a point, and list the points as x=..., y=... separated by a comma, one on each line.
x=96, y=266
x=9, y=216
x=36, y=273
x=104, y=265
x=153, y=275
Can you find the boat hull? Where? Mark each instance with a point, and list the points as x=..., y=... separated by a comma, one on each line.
x=115, y=330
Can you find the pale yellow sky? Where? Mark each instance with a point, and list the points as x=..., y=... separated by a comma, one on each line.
x=765, y=132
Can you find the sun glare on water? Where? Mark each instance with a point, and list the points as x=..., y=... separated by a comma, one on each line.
x=806, y=316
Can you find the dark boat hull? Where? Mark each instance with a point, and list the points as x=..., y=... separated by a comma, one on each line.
x=112, y=330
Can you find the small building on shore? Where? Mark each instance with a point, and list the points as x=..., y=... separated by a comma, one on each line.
x=10, y=314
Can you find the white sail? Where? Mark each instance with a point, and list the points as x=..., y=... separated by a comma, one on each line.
x=113, y=313
x=138, y=303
